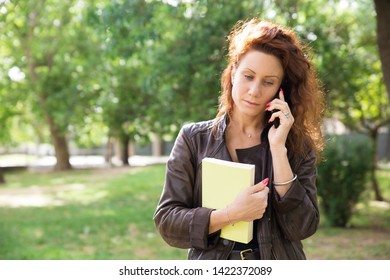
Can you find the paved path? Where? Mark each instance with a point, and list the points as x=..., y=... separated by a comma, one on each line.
x=82, y=161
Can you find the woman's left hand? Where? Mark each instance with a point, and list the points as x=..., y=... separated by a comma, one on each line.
x=277, y=136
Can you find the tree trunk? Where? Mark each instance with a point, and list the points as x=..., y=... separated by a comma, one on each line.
x=374, y=181
x=2, y=179
x=382, y=8
x=125, y=140
x=62, y=153
x=60, y=146
x=108, y=152
x=156, y=146
x=387, y=147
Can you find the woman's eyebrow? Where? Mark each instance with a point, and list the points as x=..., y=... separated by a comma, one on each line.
x=249, y=70
x=266, y=76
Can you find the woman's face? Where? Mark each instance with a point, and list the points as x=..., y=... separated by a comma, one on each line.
x=255, y=81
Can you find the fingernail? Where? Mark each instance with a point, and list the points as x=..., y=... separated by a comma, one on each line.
x=281, y=91
x=269, y=103
x=265, y=181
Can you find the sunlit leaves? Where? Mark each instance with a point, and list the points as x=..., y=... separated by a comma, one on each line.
x=141, y=67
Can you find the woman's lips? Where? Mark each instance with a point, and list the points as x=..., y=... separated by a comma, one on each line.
x=250, y=103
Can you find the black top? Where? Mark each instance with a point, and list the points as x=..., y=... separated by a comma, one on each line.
x=256, y=155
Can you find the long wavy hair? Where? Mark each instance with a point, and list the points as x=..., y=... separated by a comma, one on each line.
x=303, y=90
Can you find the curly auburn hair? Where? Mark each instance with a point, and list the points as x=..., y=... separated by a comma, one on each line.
x=303, y=91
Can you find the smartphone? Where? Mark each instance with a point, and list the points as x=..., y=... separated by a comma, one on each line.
x=276, y=122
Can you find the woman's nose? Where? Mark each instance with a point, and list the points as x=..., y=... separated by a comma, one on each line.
x=254, y=90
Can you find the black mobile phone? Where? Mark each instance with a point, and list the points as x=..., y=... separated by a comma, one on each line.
x=276, y=122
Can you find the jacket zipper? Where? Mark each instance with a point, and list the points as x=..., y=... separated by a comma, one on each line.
x=213, y=154
x=217, y=149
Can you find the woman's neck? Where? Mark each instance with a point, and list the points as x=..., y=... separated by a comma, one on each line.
x=246, y=125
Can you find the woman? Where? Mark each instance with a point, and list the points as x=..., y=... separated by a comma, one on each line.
x=270, y=114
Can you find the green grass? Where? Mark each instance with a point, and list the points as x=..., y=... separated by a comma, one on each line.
x=107, y=214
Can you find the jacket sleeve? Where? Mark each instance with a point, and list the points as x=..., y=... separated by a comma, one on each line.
x=180, y=223
x=297, y=212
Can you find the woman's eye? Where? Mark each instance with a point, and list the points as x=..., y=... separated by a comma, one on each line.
x=249, y=77
x=269, y=83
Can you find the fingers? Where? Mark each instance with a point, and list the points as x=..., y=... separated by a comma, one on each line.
x=278, y=104
x=274, y=115
x=281, y=94
x=261, y=202
x=251, y=203
x=280, y=109
x=259, y=186
x=262, y=193
x=281, y=114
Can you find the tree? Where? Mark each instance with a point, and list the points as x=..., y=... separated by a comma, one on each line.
x=161, y=73
x=382, y=8
x=49, y=44
x=347, y=59
x=125, y=35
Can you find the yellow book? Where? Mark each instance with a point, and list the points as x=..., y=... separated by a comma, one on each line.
x=221, y=182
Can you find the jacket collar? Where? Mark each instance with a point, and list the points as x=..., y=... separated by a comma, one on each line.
x=221, y=127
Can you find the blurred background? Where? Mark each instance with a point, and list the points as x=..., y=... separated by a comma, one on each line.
x=93, y=93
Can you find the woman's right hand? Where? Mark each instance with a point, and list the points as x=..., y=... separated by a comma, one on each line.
x=250, y=204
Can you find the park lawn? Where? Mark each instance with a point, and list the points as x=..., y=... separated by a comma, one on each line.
x=107, y=214
x=100, y=214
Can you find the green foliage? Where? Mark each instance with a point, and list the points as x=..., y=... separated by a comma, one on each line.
x=54, y=95
x=342, y=177
x=135, y=68
x=53, y=50
x=347, y=58
x=164, y=60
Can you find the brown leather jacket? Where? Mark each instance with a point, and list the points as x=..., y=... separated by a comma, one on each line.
x=183, y=223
